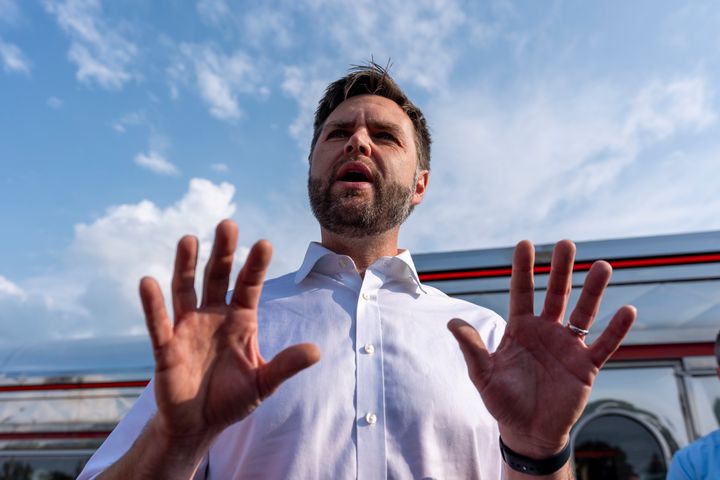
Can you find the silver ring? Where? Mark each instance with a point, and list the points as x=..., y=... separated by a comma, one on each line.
x=580, y=332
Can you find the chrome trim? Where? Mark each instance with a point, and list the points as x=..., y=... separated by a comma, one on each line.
x=660, y=245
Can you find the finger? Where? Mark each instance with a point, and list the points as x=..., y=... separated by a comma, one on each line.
x=560, y=280
x=285, y=364
x=217, y=270
x=250, y=280
x=589, y=302
x=156, y=319
x=522, y=285
x=473, y=349
x=610, y=339
x=184, y=297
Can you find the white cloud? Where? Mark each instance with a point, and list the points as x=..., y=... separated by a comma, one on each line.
x=220, y=167
x=131, y=119
x=418, y=35
x=219, y=78
x=675, y=193
x=214, y=12
x=95, y=293
x=268, y=26
x=101, y=53
x=54, y=102
x=155, y=162
x=260, y=26
x=551, y=164
x=9, y=289
x=300, y=85
x=13, y=59
x=661, y=107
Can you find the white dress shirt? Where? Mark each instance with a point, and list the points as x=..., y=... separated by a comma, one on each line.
x=390, y=397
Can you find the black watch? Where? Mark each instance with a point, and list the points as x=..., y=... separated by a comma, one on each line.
x=531, y=466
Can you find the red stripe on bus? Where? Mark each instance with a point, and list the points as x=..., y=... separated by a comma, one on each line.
x=73, y=386
x=626, y=352
x=51, y=435
x=664, y=351
x=579, y=267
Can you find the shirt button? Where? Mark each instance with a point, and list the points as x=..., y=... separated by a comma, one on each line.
x=369, y=348
x=371, y=418
x=343, y=262
x=365, y=296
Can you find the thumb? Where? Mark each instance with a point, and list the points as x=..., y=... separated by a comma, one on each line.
x=473, y=349
x=284, y=365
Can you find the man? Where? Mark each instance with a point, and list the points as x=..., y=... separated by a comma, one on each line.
x=701, y=459
x=390, y=397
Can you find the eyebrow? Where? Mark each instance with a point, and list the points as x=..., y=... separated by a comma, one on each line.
x=374, y=125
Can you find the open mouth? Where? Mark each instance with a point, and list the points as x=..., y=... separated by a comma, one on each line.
x=355, y=172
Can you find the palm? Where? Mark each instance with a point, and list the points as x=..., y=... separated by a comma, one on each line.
x=537, y=382
x=525, y=364
x=209, y=371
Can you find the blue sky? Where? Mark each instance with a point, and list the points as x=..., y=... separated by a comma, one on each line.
x=124, y=125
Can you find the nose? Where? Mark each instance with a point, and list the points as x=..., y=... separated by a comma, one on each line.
x=358, y=143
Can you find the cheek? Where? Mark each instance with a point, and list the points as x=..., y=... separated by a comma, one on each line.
x=406, y=174
x=319, y=162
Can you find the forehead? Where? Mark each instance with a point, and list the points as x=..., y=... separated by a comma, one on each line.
x=371, y=109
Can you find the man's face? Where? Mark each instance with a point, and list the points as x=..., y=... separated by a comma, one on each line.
x=363, y=171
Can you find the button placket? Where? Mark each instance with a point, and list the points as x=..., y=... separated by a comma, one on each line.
x=370, y=403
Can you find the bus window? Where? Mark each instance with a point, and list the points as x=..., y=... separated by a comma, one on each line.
x=619, y=447
x=705, y=402
x=36, y=466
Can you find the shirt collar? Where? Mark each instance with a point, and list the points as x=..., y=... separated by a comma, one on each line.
x=316, y=252
x=406, y=258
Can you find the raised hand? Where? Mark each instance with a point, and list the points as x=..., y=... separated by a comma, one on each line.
x=537, y=383
x=209, y=372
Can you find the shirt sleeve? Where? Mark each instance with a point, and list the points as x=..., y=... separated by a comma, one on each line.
x=681, y=467
x=123, y=436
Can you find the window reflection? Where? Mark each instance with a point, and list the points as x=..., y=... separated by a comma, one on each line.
x=31, y=467
x=617, y=447
x=705, y=402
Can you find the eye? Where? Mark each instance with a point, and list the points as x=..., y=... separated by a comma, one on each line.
x=337, y=133
x=386, y=136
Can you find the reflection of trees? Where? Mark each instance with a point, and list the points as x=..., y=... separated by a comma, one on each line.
x=656, y=468
x=716, y=409
x=55, y=475
x=617, y=406
x=614, y=445
x=602, y=461
x=17, y=470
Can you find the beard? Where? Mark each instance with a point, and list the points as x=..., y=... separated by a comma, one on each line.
x=348, y=215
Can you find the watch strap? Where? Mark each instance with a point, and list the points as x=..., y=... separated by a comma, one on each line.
x=531, y=466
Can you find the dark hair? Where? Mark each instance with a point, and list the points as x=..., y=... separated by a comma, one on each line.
x=373, y=79
x=717, y=348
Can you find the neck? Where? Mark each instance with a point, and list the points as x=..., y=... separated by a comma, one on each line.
x=363, y=250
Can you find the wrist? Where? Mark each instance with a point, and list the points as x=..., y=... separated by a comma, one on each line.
x=532, y=446
x=535, y=466
x=185, y=447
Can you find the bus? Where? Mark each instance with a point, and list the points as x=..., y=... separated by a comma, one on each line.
x=659, y=391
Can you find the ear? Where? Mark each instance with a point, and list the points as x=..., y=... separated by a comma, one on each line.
x=420, y=187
